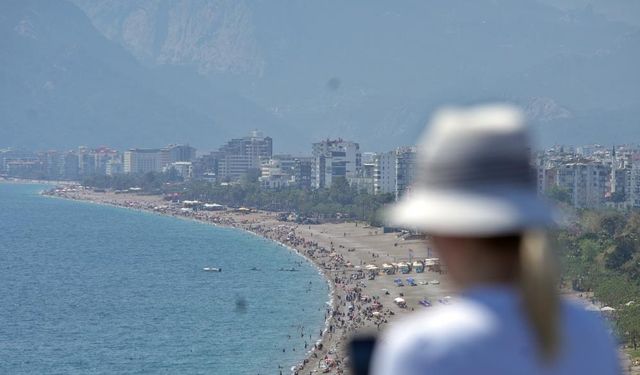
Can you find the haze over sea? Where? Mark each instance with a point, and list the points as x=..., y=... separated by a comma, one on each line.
x=95, y=289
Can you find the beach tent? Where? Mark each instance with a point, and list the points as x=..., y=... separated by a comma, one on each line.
x=418, y=266
x=190, y=203
x=388, y=269
x=213, y=207
x=404, y=267
x=431, y=261
x=371, y=267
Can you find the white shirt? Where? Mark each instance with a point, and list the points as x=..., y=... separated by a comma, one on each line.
x=485, y=332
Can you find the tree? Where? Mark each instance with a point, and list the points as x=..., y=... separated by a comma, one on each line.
x=622, y=252
x=560, y=195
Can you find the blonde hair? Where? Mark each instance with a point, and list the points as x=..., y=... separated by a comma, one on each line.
x=538, y=283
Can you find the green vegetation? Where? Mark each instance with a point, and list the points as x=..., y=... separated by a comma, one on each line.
x=601, y=254
x=152, y=182
x=560, y=195
x=340, y=200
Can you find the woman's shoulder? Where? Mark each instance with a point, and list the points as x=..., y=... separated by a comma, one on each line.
x=467, y=318
x=585, y=327
x=458, y=333
x=442, y=328
x=476, y=331
x=464, y=317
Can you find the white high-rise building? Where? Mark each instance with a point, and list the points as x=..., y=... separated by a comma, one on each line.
x=332, y=159
x=143, y=161
x=633, y=182
x=240, y=155
x=587, y=183
x=405, y=169
x=384, y=173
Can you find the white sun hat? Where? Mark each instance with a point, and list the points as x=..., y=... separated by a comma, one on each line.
x=474, y=176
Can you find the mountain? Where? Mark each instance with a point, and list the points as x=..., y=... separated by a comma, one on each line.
x=374, y=70
x=65, y=84
x=371, y=71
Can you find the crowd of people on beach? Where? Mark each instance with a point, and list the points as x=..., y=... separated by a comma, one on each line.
x=351, y=309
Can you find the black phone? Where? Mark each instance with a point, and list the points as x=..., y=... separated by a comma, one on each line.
x=360, y=353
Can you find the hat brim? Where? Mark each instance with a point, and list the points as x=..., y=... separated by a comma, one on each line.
x=489, y=212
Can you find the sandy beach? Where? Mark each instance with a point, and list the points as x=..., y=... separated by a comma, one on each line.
x=363, y=298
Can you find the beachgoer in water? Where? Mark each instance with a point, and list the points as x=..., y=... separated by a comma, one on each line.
x=475, y=195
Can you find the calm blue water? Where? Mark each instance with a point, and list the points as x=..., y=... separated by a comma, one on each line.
x=87, y=289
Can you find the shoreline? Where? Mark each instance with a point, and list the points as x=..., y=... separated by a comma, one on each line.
x=356, y=301
x=326, y=353
x=330, y=302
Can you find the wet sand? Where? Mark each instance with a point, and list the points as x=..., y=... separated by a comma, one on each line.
x=341, y=251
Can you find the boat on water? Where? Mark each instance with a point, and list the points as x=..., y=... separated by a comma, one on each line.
x=212, y=269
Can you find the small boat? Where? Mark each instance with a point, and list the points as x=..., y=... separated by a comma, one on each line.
x=212, y=269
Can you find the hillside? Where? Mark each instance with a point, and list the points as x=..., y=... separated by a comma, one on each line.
x=148, y=72
x=65, y=84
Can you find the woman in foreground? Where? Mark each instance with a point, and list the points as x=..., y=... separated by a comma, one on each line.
x=475, y=195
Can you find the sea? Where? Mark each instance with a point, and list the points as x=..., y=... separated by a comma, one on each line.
x=93, y=289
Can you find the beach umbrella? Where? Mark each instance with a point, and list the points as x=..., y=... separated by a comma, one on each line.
x=399, y=300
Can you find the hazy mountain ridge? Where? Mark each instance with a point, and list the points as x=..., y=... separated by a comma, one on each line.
x=65, y=85
x=364, y=70
x=213, y=36
x=394, y=64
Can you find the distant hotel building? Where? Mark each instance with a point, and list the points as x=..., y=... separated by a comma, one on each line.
x=633, y=182
x=405, y=169
x=140, y=160
x=384, y=173
x=286, y=171
x=240, y=155
x=590, y=177
x=332, y=159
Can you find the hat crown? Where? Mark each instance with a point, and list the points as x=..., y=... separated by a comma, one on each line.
x=476, y=147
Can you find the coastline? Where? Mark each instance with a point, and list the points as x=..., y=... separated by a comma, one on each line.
x=339, y=252
x=327, y=355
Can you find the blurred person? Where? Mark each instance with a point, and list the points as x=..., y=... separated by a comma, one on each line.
x=475, y=196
